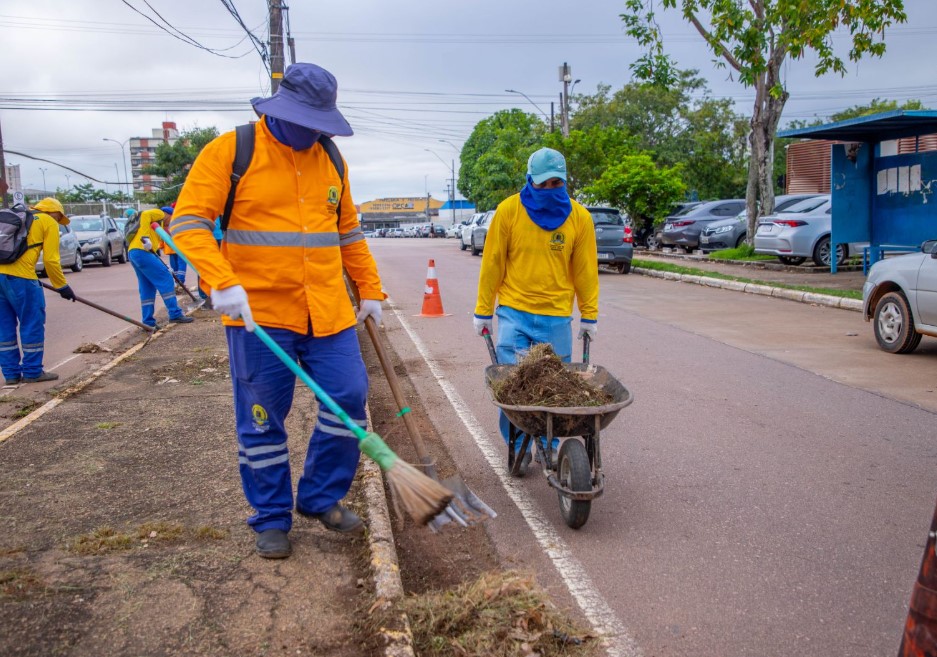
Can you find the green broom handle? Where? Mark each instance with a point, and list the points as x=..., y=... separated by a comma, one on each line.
x=360, y=433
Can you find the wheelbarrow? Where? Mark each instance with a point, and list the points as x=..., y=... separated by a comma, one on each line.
x=576, y=473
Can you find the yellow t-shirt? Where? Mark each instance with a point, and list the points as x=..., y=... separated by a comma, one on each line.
x=539, y=271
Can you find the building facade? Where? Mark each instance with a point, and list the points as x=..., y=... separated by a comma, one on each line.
x=394, y=212
x=143, y=152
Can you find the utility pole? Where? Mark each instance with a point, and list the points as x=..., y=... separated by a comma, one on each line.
x=276, y=43
x=566, y=76
x=4, y=185
x=452, y=200
x=552, y=126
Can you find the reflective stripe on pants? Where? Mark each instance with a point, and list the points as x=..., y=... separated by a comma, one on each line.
x=153, y=277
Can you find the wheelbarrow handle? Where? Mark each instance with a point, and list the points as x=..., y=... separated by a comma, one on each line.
x=586, y=343
x=491, y=346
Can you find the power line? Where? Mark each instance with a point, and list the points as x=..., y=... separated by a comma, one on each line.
x=176, y=33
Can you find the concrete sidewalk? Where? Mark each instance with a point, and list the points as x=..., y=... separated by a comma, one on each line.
x=125, y=524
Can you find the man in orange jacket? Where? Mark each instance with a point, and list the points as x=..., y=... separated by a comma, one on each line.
x=293, y=228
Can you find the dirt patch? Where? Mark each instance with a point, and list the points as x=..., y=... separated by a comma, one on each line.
x=195, y=370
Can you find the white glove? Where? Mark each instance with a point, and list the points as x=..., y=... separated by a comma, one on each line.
x=588, y=327
x=482, y=324
x=232, y=301
x=147, y=244
x=369, y=307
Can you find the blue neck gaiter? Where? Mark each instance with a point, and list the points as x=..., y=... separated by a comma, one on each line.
x=289, y=134
x=548, y=208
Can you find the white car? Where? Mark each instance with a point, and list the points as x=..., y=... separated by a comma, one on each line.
x=900, y=299
x=465, y=238
x=455, y=230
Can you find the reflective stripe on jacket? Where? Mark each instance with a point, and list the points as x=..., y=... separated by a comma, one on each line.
x=539, y=271
x=284, y=242
x=44, y=231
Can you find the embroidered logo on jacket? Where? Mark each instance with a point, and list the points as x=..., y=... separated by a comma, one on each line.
x=333, y=195
x=557, y=241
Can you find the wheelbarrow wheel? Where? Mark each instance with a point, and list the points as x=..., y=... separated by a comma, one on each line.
x=574, y=474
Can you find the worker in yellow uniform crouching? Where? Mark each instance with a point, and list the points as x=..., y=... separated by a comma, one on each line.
x=22, y=301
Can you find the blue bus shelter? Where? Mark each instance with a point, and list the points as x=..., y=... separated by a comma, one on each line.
x=883, y=193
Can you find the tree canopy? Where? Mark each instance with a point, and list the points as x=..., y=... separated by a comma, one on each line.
x=639, y=187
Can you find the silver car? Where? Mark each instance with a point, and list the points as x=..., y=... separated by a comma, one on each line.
x=69, y=252
x=614, y=239
x=802, y=231
x=730, y=233
x=900, y=299
x=465, y=237
x=480, y=232
x=100, y=238
x=684, y=228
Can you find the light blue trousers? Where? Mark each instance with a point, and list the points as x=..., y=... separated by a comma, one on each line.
x=518, y=331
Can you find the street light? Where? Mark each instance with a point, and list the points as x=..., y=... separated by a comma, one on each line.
x=452, y=186
x=43, y=169
x=68, y=182
x=123, y=155
x=513, y=91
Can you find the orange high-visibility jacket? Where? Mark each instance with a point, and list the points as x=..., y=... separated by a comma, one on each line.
x=285, y=243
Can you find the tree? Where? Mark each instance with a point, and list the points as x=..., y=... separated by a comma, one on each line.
x=677, y=123
x=589, y=153
x=173, y=162
x=494, y=157
x=754, y=38
x=640, y=188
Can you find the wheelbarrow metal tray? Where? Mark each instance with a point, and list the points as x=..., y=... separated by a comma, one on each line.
x=567, y=420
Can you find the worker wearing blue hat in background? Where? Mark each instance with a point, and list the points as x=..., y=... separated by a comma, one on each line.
x=176, y=262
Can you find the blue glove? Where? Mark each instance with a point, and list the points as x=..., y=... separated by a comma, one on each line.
x=66, y=293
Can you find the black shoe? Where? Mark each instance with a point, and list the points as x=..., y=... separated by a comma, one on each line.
x=273, y=544
x=45, y=376
x=13, y=382
x=338, y=519
x=184, y=319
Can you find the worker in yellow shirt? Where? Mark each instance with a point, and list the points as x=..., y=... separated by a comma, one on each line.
x=291, y=229
x=539, y=254
x=21, y=299
x=152, y=275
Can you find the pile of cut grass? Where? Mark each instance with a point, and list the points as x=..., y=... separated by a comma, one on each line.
x=501, y=614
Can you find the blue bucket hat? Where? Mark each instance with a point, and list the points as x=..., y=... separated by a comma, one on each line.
x=167, y=209
x=545, y=164
x=306, y=97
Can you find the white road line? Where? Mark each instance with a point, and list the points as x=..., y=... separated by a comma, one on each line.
x=593, y=605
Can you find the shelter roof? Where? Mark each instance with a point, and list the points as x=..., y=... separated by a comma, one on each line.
x=872, y=128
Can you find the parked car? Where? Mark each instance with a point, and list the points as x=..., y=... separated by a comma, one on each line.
x=684, y=228
x=648, y=234
x=802, y=231
x=614, y=238
x=439, y=230
x=395, y=232
x=69, y=252
x=465, y=237
x=900, y=299
x=455, y=230
x=730, y=233
x=100, y=238
x=480, y=232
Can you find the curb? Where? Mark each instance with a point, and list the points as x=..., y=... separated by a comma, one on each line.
x=388, y=588
x=756, y=288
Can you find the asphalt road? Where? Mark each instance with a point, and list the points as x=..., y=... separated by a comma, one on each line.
x=70, y=324
x=768, y=493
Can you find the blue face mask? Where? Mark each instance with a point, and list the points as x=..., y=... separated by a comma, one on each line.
x=289, y=134
x=548, y=208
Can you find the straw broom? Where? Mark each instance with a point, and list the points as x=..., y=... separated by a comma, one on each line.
x=421, y=497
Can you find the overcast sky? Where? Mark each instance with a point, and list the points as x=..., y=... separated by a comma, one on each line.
x=410, y=74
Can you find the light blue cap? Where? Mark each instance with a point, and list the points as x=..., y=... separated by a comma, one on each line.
x=545, y=164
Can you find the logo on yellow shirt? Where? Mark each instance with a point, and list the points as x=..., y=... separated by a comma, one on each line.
x=557, y=241
x=333, y=195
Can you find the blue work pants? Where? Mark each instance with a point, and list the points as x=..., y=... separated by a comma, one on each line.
x=153, y=277
x=518, y=331
x=177, y=264
x=21, y=302
x=263, y=395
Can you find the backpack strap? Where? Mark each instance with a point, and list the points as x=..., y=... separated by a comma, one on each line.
x=243, y=154
x=339, y=165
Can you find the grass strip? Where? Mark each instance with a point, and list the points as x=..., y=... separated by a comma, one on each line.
x=691, y=271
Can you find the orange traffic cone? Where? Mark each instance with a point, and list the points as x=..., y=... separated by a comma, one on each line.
x=432, y=302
